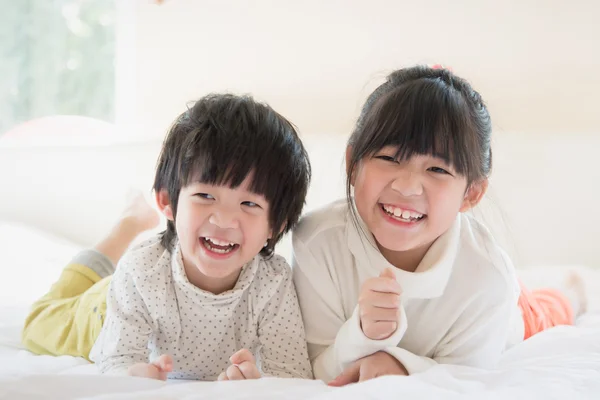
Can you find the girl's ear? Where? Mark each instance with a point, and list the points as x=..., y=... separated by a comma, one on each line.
x=474, y=194
x=164, y=204
x=348, y=172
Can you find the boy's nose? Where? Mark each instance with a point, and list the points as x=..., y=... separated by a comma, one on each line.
x=224, y=219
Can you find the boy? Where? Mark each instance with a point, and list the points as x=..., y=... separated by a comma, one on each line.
x=231, y=180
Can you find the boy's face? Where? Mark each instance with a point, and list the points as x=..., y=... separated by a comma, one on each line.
x=220, y=229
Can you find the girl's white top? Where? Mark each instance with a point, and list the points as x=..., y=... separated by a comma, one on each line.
x=458, y=307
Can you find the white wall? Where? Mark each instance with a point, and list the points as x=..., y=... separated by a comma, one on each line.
x=543, y=203
x=535, y=62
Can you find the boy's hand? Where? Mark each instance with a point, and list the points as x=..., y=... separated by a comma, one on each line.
x=379, y=306
x=373, y=366
x=158, y=369
x=243, y=367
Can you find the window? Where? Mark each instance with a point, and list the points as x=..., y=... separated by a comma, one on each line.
x=57, y=57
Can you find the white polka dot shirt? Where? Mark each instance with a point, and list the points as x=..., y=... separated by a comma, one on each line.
x=152, y=309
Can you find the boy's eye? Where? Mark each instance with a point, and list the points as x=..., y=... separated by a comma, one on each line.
x=205, y=196
x=386, y=158
x=439, y=170
x=250, y=204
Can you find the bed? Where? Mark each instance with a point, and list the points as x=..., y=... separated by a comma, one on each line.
x=43, y=222
x=563, y=362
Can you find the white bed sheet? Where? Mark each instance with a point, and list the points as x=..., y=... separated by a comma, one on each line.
x=558, y=364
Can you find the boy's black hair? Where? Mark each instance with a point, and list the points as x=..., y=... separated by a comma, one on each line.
x=222, y=139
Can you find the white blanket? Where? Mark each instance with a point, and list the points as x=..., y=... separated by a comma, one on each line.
x=561, y=363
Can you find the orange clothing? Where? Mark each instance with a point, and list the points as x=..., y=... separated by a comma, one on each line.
x=543, y=309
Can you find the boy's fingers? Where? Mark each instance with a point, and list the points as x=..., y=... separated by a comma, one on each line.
x=164, y=362
x=241, y=356
x=222, y=376
x=249, y=370
x=234, y=373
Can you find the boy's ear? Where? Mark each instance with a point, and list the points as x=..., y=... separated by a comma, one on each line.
x=474, y=194
x=348, y=172
x=164, y=204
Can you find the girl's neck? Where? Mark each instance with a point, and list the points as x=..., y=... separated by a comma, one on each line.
x=407, y=260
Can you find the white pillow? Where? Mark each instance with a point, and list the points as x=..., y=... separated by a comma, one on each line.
x=30, y=261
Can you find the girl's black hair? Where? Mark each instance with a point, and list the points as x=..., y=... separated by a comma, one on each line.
x=425, y=111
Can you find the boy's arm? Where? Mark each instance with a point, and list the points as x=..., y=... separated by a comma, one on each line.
x=123, y=340
x=281, y=333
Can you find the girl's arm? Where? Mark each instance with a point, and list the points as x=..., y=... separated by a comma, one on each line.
x=334, y=340
x=477, y=339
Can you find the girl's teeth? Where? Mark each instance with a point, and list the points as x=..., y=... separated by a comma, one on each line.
x=399, y=213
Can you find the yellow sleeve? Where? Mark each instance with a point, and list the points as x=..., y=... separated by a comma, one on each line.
x=68, y=319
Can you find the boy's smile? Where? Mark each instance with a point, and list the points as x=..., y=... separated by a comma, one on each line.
x=220, y=229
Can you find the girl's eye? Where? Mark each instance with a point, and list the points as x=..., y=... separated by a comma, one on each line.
x=250, y=204
x=386, y=158
x=439, y=170
x=205, y=196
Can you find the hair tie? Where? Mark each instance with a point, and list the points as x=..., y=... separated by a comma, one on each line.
x=441, y=66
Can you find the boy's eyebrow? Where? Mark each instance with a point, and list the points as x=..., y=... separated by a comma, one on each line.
x=246, y=192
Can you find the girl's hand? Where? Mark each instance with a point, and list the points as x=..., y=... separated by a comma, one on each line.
x=379, y=306
x=373, y=366
x=158, y=369
x=243, y=367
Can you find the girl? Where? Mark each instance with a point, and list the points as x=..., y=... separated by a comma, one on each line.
x=398, y=276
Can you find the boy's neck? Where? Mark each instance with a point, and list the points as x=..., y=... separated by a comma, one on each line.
x=405, y=260
x=210, y=284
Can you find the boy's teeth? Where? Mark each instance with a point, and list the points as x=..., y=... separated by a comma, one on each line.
x=219, y=242
x=218, y=246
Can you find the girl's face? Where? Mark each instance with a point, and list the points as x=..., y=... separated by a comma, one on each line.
x=407, y=205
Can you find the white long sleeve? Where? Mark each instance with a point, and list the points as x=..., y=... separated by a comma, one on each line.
x=458, y=306
x=323, y=320
x=281, y=334
x=127, y=328
x=475, y=340
x=152, y=309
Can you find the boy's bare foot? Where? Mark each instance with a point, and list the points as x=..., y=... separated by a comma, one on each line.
x=139, y=216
